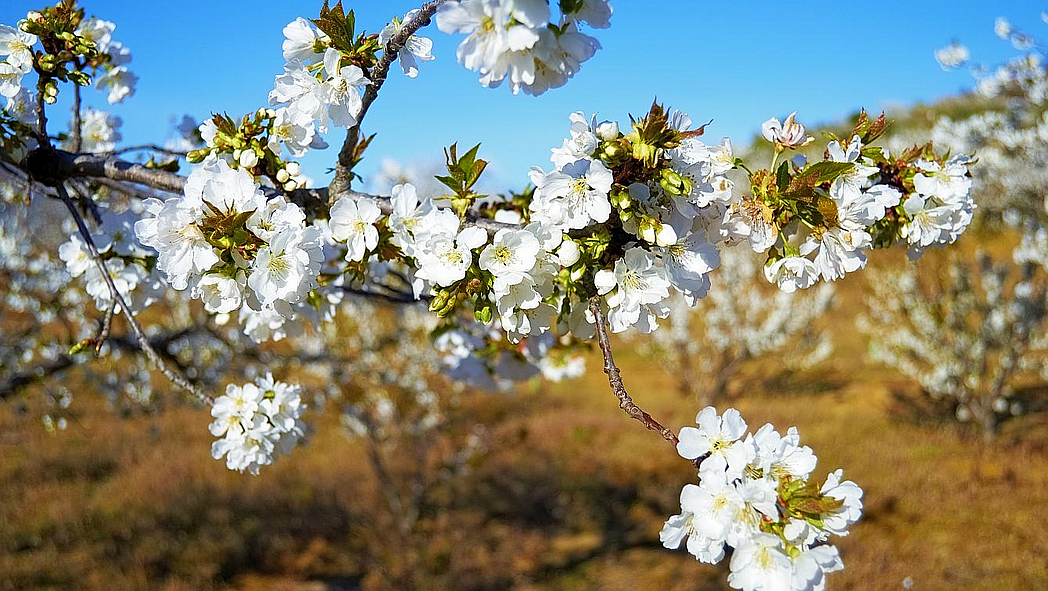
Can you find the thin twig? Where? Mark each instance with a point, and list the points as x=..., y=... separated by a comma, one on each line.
x=143, y=341
x=145, y=148
x=615, y=378
x=107, y=326
x=78, y=125
x=343, y=170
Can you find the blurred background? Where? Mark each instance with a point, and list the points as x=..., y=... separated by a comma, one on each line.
x=926, y=381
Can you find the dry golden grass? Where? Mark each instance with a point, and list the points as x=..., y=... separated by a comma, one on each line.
x=571, y=495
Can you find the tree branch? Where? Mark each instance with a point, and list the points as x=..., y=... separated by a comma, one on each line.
x=14, y=382
x=615, y=378
x=52, y=167
x=343, y=170
x=143, y=341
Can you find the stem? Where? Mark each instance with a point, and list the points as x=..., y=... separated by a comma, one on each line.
x=343, y=170
x=615, y=378
x=143, y=341
x=77, y=121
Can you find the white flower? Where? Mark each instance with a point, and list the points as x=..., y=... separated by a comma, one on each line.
x=634, y=283
x=848, y=492
x=301, y=41
x=98, y=31
x=119, y=83
x=787, y=134
x=16, y=47
x=949, y=183
x=792, y=273
x=582, y=143
x=595, y=13
x=1002, y=28
x=341, y=89
x=712, y=439
x=568, y=253
x=810, y=568
x=256, y=422
x=415, y=49
x=952, y=56
x=125, y=277
x=22, y=107
x=76, y=256
x=751, y=219
x=701, y=521
x=410, y=220
x=302, y=92
x=353, y=222
x=574, y=197
x=220, y=294
x=99, y=131
x=509, y=257
x=293, y=129
x=445, y=258
x=514, y=40
x=688, y=262
x=287, y=267
x=760, y=563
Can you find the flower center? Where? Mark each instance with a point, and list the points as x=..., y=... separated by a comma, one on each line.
x=503, y=254
x=633, y=281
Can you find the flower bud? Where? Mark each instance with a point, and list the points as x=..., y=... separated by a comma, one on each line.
x=291, y=185
x=647, y=231
x=568, y=253
x=248, y=159
x=607, y=130
x=282, y=176
x=293, y=168
x=666, y=236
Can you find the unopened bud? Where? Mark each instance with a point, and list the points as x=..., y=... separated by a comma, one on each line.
x=666, y=236
x=647, y=231
x=568, y=253
x=291, y=185
x=282, y=176
x=248, y=159
x=608, y=130
x=293, y=168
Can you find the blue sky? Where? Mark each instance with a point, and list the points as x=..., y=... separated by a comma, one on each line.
x=736, y=63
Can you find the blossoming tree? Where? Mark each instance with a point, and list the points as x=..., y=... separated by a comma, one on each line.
x=973, y=333
x=626, y=216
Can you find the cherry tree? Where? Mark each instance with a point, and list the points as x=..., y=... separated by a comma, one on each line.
x=973, y=332
x=707, y=342
x=627, y=215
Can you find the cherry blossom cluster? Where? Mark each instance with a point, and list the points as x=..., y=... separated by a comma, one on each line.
x=516, y=40
x=756, y=496
x=128, y=264
x=76, y=49
x=233, y=248
x=99, y=132
x=256, y=422
x=968, y=336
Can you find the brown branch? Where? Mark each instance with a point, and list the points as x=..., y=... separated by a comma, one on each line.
x=145, y=148
x=343, y=170
x=615, y=378
x=107, y=326
x=51, y=167
x=143, y=341
x=13, y=383
x=78, y=125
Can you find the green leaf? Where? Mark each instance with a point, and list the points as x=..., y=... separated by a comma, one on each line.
x=782, y=176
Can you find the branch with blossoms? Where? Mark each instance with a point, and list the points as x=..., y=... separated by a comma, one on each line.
x=627, y=216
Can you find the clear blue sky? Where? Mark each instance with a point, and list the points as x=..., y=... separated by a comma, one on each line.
x=736, y=63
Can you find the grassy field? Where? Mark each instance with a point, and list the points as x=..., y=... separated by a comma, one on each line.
x=570, y=494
